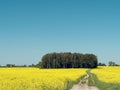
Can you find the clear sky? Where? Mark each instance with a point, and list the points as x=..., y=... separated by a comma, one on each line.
x=31, y=28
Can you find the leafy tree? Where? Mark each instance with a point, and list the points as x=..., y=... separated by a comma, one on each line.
x=111, y=63
x=68, y=60
x=101, y=64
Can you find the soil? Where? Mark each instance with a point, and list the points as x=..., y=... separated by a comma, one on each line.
x=83, y=85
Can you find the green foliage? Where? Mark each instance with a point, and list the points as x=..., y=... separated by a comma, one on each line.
x=70, y=84
x=111, y=63
x=68, y=60
x=101, y=64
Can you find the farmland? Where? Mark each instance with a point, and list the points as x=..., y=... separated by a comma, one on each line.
x=106, y=78
x=108, y=74
x=37, y=79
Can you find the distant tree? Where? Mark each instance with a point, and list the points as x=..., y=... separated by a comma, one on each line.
x=38, y=65
x=101, y=64
x=24, y=65
x=10, y=65
x=13, y=65
x=111, y=63
x=35, y=65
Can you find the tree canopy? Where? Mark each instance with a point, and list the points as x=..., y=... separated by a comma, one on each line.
x=69, y=60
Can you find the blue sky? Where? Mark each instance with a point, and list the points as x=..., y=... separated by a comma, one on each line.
x=31, y=28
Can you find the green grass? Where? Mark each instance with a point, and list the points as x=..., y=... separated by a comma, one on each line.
x=71, y=83
x=94, y=81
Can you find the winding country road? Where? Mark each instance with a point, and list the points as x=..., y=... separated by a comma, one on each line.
x=83, y=85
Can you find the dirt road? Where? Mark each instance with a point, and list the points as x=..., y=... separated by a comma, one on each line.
x=83, y=85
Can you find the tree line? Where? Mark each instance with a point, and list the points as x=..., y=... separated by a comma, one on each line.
x=68, y=60
x=110, y=63
x=13, y=65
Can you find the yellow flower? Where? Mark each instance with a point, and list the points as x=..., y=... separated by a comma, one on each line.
x=37, y=79
x=109, y=74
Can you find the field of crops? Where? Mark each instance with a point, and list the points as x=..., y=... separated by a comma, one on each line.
x=37, y=79
x=108, y=74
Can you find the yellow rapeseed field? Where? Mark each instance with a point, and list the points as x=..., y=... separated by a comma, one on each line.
x=37, y=79
x=109, y=74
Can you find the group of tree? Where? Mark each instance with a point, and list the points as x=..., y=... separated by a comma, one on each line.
x=101, y=64
x=111, y=63
x=68, y=60
x=13, y=65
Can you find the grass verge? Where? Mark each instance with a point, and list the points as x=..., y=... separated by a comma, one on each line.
x=94, y=81
x=70, y=84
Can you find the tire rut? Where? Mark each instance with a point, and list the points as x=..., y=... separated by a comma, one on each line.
x=83, y=85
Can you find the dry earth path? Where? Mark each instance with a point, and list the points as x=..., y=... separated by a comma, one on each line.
x=83, y=85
